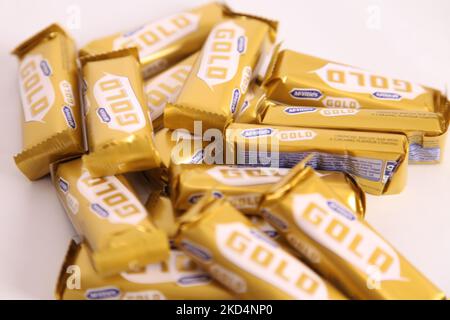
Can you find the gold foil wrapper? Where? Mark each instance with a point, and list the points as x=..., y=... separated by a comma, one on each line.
x=165, y=41
x=377, y=161
x=119, y=131
x=52, y=128
x=244, y=187
x=252, y=106
x=300, y=79
x=245, y=260
x=165, y=87
x=107, y=213
x=426, y=131
x=344, y=249
x=175, y=278
x=220, y=78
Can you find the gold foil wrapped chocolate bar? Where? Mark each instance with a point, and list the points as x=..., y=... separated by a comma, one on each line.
x=243, y=187
x=165, y=41
x=246, y=261
x=344, y=249
x=300, y=79
x=108, y=215
x=119, y=130
x=377, y=161
x=165, y=87
x=221, y=75
x=175, y=278
x=52, y=128
x=426, y=131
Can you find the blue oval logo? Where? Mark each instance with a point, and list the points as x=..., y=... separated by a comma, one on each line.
x=99, y=210
x=250, y=133
x=194, y=279
x=104, y=293
x=103, y=114
x=307, y=94
x=196, y=251
x=196, y=197
x=235, y=100
x=387, y=95
x=297, y=110
x=336, y=207
x=45, y=67
x=241, y=44
x=63, y=185
x=69, y=117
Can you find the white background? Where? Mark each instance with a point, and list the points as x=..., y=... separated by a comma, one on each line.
x=406, y=39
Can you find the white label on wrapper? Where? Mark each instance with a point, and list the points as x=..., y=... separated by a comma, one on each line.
x=221, y=53
x=159, y=34
x=109, y=199
x=234, y=176
x=253, y=252
x=351, y=79
x=118, y=106
x=165, y=88
x=331, y=225
x=178, y=269
x=36, y=88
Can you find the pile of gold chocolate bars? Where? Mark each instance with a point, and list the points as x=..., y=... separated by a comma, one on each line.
x=251, y=161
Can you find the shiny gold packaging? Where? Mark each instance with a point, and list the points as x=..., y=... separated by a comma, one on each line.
x=176, y=278
x=246, y=261
x=252, y=106
x=346, y=250
x=175, y=147
x=377, y=161
x=426, y=131
x=165, y=87
x=166, y=142
x=166, y=41
x=108, y=215
x=119, y=130
x=219, y=80
x=244, y=186
x=162, y=213
x=48, y=82
x=300, y=79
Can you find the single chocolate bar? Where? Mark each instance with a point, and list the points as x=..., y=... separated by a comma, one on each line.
x=108, y=215
x=119, y=130
x=175, y=278
x=245, y=260
x=244, y=186
x=377, y=161
x=342, y=248
x=220, y=78
x=165, y=41
x=303, y=80
x=48, y=82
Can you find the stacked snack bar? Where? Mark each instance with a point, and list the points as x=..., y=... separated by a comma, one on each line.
x=201, y=162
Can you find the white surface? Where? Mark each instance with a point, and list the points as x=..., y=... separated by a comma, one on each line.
x=407, y=39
